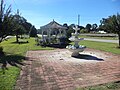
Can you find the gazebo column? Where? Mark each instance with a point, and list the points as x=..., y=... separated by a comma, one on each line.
x=55, y=33
x=43, y=38
x=48, y=34
x=60, y=32
x=64, y=31
x=42, y=33
x=60, y=35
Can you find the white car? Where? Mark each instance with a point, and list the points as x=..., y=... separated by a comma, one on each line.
x=102, y=32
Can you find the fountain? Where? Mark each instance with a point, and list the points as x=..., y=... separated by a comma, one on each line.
x=76, y=48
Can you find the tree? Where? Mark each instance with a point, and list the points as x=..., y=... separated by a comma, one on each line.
x=30, y=29
x=94, y=27
x=5, y=21
x=33, y=32
x=72, y=25
x=88, y=27
x=81, y=27
x=83, y=31
x=112, y=23
x=27, y=26
x=19, y=28
x=65, y=25
x=12, y=24
x=70, y=30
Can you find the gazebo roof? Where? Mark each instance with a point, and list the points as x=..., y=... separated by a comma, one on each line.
x=53, y=25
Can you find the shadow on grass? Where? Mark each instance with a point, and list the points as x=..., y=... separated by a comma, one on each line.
x=118, y=47
x=88, y=57
x=13, y=60
x=60, y=46
x=20, y=42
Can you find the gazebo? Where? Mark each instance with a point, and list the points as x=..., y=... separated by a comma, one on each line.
x=53, y=32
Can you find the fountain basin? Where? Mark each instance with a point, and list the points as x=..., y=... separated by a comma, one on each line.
x=75, y=50
x=75, y=39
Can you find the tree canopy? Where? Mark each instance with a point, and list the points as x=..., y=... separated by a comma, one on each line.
x=94, y=27
x=88, y=27
x=13, y=24
x=5, y=21
x=112, y=24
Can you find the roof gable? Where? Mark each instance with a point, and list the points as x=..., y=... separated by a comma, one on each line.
x=53, y=25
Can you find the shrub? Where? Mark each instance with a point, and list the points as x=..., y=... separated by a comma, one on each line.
x=63, y=40
x=1, y=51
x=83, y=31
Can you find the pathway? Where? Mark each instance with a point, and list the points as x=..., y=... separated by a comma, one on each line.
x=57, y=70
x=102, y=40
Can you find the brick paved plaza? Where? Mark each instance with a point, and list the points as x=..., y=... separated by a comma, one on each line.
x=57, y=70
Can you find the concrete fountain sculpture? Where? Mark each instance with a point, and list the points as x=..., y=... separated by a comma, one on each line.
x=76, y=48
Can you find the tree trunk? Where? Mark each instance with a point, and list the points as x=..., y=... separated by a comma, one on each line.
x=17, y=38
x=0, y=40
x=119, y=40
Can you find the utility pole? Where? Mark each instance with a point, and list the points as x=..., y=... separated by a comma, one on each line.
x=78, y=19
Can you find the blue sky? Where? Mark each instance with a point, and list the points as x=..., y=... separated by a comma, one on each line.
x=41, y=12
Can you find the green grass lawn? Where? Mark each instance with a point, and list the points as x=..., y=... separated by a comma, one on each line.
x=8, y=80
x=108, y=47
x=108, y=86
x=14, y=55
x=14, y=48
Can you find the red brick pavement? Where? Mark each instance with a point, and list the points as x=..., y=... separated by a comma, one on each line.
x=56, y=70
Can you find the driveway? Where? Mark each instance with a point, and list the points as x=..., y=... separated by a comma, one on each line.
x=57, y=70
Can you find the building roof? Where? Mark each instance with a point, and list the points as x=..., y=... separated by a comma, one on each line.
x=53, y=25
